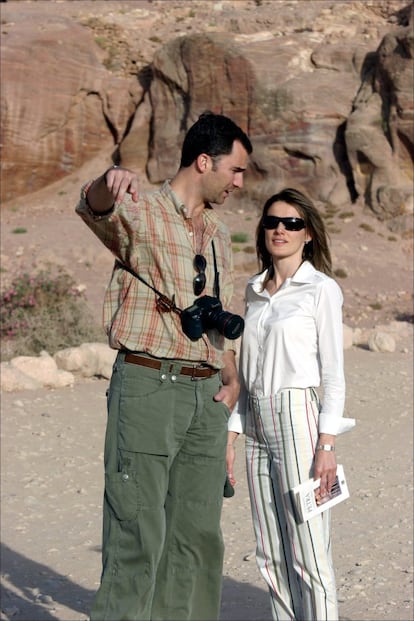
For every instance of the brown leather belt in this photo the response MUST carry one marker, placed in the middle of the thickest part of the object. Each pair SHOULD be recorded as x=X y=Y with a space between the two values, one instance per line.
x=157 y=364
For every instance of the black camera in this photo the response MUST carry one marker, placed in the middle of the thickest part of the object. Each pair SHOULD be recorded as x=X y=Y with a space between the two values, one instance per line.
x=207 y=312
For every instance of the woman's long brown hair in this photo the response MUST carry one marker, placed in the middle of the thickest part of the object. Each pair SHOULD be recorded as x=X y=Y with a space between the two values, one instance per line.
x=315 y=251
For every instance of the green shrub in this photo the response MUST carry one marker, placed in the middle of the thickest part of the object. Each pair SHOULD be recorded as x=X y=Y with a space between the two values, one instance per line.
x=346 y=214
x=331 y=210
x=366 y=227
x=333 y=229
x=375 y=305
x=340 y=273
x=239 y=238
x=19 y=230
x=102 y=42
x=44 y=311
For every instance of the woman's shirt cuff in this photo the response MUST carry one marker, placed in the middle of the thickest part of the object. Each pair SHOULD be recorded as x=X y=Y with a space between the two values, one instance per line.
x=236 y=422
x=335 y=425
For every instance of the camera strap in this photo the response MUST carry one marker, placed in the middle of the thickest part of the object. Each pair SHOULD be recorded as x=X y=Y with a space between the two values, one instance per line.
x=216 y=273
x=165 y=304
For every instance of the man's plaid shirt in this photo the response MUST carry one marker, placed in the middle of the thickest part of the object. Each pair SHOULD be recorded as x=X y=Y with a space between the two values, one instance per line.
x=153 y=237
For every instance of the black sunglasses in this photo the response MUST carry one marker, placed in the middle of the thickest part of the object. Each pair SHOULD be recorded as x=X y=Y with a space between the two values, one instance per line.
x=199 y=281
x=290 y=224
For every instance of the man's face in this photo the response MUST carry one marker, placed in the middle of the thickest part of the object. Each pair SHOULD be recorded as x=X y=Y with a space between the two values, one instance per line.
x=226 y=174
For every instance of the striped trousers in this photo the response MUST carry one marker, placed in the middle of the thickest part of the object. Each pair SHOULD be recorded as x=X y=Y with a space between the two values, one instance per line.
x=294 y=559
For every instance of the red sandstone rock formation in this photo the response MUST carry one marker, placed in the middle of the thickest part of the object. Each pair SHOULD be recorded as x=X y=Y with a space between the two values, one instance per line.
x=325 y=93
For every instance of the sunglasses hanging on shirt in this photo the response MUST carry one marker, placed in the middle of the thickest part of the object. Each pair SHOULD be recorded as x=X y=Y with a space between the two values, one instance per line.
x=165 y=304
x=199 y=281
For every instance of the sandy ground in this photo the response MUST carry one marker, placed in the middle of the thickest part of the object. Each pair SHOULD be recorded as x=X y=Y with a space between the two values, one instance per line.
x=52 y=483
x=52 y=440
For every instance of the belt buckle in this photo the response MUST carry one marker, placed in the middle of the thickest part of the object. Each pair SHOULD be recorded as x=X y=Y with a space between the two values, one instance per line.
x=193 y=374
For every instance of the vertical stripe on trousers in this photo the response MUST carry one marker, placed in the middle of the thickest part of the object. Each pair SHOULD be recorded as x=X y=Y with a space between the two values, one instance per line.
x=294 y=559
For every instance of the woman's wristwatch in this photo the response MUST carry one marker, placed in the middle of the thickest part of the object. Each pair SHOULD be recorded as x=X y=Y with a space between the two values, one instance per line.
x=325 y=447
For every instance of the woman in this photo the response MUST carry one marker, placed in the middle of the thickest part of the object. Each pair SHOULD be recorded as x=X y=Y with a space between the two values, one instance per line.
x=291 y=345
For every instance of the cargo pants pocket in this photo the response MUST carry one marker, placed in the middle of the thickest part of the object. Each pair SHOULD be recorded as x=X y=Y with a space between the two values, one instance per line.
x=121 y=491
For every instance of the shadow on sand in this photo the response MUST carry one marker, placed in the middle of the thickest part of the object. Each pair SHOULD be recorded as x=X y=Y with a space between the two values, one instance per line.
x=31 y=591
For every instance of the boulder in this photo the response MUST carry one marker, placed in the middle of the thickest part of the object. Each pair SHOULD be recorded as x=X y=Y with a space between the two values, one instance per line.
x=348 y=337
x=43 y=369
x=12 y=379
x=381 y=342
x=31 y=372
x=89 y=359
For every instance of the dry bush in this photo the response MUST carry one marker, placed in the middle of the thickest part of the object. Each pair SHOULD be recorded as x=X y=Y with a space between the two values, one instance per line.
x=44 y=310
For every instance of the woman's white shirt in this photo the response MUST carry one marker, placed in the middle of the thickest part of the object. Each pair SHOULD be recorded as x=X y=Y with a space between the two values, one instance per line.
x=294 y=339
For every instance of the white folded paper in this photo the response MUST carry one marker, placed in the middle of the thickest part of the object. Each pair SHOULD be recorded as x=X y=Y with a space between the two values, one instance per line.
x=308 y=502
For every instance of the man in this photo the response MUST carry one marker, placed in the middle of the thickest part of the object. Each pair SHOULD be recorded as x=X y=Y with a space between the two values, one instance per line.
x=174 y=382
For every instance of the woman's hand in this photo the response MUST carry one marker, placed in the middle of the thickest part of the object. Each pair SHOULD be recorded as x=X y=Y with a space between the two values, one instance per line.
x=325 y=465
x=229 y=392
x=231 y=456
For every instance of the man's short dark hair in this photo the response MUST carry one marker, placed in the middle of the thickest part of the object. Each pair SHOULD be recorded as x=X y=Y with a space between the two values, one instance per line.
x=213 y=134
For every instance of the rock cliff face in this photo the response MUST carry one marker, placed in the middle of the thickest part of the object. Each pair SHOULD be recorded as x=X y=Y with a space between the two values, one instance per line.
x=380 y=130
x=292 y=109
x=59 y=104
x=324 y=89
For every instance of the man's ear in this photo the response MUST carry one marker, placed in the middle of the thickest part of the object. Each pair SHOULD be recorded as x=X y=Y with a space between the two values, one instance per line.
x=203 y=162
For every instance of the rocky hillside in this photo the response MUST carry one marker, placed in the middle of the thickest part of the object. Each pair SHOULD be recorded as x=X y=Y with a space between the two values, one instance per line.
x=323 y=88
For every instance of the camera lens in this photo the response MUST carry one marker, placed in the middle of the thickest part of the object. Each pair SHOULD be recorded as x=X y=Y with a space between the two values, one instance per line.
x=231 y=326
x=206 y=313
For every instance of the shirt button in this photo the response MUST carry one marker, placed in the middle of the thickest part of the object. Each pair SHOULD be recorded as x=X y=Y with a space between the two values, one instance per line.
x=173 y=378
x=125 y=477
x=163 y=376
